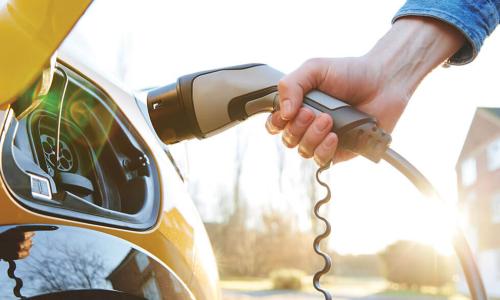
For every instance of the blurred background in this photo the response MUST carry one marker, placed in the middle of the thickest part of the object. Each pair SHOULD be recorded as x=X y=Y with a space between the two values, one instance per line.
x=255 y=196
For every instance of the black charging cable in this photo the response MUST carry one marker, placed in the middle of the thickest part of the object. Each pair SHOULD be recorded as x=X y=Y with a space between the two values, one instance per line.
x=460 y=245
x=462 y=249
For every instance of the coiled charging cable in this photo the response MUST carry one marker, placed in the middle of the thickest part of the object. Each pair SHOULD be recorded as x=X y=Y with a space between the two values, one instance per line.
x=461 y=247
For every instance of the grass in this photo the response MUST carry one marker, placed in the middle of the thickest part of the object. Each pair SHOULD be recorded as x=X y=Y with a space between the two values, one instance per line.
x=246 y=284
x=347 y=284
x=446 y=292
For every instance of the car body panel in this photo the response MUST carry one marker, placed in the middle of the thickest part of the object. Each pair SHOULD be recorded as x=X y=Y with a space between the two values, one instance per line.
x=71 y=259
x=178 y=239
x=30 y=32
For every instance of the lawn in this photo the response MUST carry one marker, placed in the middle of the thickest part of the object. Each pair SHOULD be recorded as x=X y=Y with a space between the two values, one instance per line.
x=352 y=286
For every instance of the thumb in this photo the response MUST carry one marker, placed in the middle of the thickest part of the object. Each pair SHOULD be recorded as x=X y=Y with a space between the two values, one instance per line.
x=295 y=85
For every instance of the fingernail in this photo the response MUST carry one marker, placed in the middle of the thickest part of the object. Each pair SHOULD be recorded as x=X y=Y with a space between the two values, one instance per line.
x=321 y=123
x=304 y=117
x=289 y=137
x=302 y=152
x=269 y=125
x=318 y=162
x=286 y=109
x=285 y=140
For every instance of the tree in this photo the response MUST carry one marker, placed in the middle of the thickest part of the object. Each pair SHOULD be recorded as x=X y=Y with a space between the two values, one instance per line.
x=280 y=161
x=65 y=268
x=280 y=244
x=241 y=148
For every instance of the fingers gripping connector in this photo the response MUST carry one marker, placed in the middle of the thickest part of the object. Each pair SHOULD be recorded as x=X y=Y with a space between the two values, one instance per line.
x=322 y=236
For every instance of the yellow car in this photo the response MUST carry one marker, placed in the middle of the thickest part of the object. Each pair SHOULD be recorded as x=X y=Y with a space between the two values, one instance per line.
x=91 y=206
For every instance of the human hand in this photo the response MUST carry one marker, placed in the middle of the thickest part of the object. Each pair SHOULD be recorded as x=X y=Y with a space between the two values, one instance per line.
x=379 y=83
x=353 y=80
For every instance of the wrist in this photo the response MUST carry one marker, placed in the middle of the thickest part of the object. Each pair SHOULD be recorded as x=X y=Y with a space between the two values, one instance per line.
x=411 y=49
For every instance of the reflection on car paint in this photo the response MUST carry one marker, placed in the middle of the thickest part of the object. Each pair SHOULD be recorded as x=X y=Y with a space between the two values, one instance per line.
x=70 y=259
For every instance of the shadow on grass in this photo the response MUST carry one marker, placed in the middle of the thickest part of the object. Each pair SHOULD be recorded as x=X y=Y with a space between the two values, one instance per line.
x=411 y=293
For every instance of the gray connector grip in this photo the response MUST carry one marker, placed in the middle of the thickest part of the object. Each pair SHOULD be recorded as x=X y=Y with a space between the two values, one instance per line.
x=205 y=103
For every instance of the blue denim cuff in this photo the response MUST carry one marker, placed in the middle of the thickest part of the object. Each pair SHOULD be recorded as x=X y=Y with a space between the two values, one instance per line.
x=476 y=19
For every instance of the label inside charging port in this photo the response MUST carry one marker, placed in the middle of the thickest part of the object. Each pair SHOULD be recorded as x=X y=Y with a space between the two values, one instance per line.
x=40 y=188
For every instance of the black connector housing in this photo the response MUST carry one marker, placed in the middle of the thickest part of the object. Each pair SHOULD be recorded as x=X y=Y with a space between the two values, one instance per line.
x=168 y=114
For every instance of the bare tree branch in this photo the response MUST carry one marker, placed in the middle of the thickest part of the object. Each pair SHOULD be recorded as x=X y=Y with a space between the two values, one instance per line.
x=65 y=267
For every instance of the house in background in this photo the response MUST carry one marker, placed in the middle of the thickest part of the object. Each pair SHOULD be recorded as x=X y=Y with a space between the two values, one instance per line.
x=478 y=178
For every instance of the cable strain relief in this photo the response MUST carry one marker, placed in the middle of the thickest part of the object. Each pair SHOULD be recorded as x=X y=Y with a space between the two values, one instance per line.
x=367 y=140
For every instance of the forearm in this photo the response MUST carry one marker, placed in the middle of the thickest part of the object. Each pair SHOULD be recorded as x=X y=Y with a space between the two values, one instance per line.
x=475 y=19
x=411 y=49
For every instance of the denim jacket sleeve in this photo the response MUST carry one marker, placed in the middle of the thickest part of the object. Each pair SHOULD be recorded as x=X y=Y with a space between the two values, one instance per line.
x=476 y=19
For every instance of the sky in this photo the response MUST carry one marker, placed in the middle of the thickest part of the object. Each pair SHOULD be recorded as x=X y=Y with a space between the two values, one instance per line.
x=149 y=43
